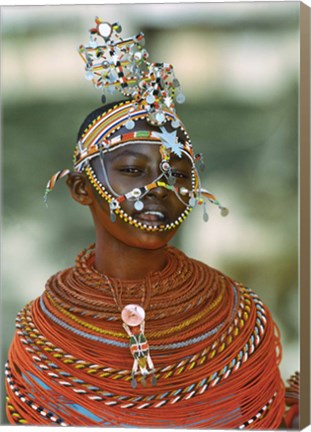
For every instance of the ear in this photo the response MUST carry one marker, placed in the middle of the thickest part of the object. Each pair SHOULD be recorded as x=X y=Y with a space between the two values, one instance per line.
x=80 y=188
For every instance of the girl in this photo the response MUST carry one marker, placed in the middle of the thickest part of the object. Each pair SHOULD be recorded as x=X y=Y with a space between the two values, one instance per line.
x=137 y=333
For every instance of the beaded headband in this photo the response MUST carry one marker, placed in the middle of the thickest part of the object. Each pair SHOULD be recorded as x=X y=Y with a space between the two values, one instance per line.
x=121 y=65
x=98 y=135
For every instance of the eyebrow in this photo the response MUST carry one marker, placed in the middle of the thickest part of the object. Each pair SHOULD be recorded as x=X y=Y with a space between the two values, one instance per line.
x=128 y=152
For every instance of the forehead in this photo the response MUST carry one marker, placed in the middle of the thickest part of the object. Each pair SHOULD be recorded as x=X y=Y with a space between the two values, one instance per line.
x=147 y=149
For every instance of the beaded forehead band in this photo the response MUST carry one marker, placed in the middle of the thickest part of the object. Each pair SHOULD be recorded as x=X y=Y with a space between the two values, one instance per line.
x=116 y=64
x=101 y=134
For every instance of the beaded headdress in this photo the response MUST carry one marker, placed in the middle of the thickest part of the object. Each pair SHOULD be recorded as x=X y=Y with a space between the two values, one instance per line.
x=114 y=64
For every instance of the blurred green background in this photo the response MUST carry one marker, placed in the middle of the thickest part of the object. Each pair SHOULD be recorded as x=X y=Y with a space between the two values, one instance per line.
x=239 y=67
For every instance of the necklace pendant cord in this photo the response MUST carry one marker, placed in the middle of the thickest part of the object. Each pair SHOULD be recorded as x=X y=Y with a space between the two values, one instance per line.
x=133 y=317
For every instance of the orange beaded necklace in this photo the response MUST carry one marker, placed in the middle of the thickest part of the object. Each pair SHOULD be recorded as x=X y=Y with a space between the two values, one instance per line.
x=214 y=346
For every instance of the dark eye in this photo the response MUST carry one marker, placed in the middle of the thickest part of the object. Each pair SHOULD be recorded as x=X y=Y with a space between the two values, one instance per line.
x=179 y=174
x=132 y=170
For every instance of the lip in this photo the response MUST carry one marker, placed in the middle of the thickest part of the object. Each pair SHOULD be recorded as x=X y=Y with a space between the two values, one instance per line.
x=154 y=216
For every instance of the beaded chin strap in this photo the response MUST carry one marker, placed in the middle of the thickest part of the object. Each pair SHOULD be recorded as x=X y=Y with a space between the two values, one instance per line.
x=116 y=64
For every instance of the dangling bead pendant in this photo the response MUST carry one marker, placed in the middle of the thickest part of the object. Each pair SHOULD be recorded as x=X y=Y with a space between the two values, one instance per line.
x=171 y=180
x=133 y=317
x=138 y=205
x=175 y=123
x=130 y=124
x=113 y=206
x=224 y=211
x=192 y=202
x=205 y=214
x=113 y=217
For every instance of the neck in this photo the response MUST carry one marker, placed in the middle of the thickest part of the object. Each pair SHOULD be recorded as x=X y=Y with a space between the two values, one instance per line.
x=118 y=260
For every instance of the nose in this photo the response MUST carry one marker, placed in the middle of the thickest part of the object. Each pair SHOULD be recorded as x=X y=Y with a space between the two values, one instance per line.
x=158 y=192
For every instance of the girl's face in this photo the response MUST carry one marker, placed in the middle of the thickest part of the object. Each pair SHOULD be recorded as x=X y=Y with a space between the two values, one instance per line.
x=134 y=166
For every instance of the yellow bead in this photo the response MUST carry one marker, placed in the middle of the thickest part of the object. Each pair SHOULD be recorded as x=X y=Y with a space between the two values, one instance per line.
x=222 y=347
x=212 y=354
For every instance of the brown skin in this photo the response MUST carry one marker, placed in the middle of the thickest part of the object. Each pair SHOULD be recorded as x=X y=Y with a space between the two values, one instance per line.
x=123 y=251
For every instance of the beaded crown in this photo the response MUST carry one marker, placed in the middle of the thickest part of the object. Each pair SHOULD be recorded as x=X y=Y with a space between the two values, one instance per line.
x=116 y=64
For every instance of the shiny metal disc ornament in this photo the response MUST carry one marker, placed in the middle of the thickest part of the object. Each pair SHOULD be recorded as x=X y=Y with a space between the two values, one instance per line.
x=224 y=211
x=138 y=205
x=180 y=98
x=205 y=214
x=133 y=315
x=130 y=124
x=150 y=99
x=192 y=202
x=160 y=117
x=113 y=206
x=175 y=124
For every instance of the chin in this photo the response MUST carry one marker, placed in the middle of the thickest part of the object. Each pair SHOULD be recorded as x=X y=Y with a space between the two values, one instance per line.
x=148 y=240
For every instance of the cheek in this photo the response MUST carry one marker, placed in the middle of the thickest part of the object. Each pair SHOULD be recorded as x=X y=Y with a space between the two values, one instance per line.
x=120 y=183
